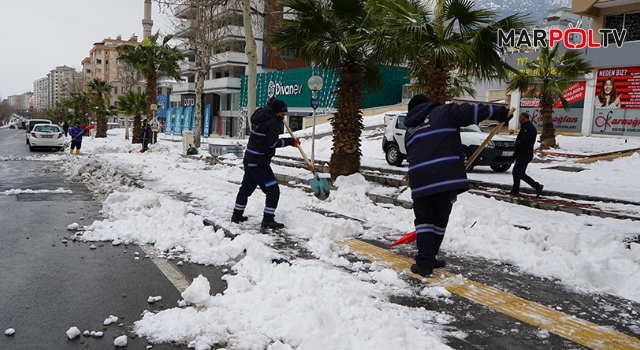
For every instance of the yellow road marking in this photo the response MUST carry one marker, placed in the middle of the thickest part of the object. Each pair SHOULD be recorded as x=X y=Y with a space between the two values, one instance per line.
x=172 y=274
x=567 y=326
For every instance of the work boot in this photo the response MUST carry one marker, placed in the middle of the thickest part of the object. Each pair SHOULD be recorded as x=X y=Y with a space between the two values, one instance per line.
x=539 y=190
x=237 y=217
x=420 y=271
x=70 y=150
x=274 y=225
x=440 y=263
x=77 y=151
x=268 y=221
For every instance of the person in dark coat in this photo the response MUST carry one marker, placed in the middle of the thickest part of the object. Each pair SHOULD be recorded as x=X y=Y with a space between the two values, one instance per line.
x=145 y=135
x=436 y=168
x=65 y=128
x=76 y=138
x=523 y=155
x=263 y=141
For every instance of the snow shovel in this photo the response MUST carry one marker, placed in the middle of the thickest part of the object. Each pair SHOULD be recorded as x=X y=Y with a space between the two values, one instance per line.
x=411 y=236
x=319 y=186
x=486 y=141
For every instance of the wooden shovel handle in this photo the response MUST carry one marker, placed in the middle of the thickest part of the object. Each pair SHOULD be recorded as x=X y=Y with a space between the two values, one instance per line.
x=486 y=141
x=313 y=170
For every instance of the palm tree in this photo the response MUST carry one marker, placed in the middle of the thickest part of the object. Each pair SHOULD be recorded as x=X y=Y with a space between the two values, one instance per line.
x=445 y=48
x=133 y=103
x=100 y=93
x=549 y=75
x=335 y=34
x=152 y=60
x=77 y=107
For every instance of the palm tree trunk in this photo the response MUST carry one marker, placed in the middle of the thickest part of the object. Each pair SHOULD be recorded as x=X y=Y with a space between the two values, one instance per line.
x=101 y=126
x=347 y=122
x=136 y=129
x=437 y=77
x=548 y=135
x=151 y=97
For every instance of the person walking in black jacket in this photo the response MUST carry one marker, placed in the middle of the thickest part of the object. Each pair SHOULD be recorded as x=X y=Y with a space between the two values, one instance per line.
x=523 y=154
x=145 y=135
x=262 y=145
x=436 y=168
x=65 y=128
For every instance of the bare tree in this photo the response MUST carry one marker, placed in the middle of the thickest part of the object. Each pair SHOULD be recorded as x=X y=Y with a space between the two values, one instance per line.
x=252 y=57
x=203 y=27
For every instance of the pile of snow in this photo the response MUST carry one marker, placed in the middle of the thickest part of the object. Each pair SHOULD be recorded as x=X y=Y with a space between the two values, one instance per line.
x=160 y=198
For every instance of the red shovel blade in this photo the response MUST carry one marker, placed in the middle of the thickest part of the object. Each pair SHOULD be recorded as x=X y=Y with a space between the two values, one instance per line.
x=406 y=238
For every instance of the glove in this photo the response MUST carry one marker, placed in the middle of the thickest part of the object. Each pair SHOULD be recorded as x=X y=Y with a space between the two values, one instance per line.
x=296 y=142
x=507 y=118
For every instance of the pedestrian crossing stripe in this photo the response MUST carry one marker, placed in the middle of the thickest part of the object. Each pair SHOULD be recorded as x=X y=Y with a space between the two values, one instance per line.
x=570 y=327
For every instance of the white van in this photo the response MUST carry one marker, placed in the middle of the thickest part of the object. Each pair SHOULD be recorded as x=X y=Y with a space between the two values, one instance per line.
x=31 y=123
x=498 y=154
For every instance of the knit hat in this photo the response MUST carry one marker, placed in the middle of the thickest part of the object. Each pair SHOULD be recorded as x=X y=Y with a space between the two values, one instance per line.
x=279 y=106
x=417 y=100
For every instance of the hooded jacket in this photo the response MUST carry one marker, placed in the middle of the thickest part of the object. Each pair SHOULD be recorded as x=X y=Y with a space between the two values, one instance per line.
x=76 y=133
x=264 y=140
x=434 y=147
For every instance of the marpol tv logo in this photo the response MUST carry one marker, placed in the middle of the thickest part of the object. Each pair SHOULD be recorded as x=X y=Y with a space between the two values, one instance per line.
x=572 y=37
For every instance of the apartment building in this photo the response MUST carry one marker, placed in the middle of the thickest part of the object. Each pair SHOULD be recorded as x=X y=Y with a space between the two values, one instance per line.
x=102 y=63
x=562 y=18
x=222 y=86
x=61 y=81
x=40 y=94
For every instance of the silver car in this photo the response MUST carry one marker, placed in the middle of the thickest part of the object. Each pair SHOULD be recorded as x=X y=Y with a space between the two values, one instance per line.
x=46 y=135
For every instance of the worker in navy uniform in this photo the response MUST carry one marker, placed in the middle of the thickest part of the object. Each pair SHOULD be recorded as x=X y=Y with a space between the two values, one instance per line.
x=436 y=168
x=263 y=141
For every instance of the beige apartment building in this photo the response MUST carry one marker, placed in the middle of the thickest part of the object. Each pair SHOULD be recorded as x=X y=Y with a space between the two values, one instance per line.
x=102 y=63
x=61 y=81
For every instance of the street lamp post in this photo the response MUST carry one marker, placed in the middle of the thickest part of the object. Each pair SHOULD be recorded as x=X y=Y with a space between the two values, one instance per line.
x=315 y=84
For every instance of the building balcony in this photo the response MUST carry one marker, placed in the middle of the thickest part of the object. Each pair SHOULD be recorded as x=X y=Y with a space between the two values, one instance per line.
x=221 y=85
x=184 y=88
x=224 y=58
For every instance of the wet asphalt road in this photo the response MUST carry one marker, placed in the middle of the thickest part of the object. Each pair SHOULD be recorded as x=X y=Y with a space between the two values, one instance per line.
x=49 y=285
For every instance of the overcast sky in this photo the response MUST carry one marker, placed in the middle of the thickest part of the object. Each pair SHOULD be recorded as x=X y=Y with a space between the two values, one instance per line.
x=38 y=35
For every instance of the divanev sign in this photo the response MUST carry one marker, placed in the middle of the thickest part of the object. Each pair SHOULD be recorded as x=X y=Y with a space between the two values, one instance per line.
x=277 y=89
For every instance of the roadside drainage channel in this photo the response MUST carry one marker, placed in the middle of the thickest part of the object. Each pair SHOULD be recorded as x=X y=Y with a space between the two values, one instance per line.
x=385 y=177
x=291 y=181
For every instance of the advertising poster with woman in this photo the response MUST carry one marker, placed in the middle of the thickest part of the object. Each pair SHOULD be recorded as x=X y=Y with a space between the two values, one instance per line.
x=617 y=102
x=564 y=121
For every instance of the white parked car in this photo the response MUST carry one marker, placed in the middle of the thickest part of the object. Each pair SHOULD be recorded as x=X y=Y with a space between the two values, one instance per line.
x=46 y=135
x=498 y=154
x=30 y=124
